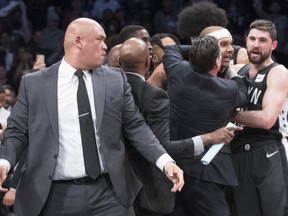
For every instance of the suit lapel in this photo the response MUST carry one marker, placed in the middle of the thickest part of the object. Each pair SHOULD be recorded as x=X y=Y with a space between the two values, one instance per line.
x=50 y=94
x=98 y=81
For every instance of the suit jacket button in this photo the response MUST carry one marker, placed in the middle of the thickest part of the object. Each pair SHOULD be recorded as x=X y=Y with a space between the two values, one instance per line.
x=55 y=156
x=247 y=147
x=50 y=177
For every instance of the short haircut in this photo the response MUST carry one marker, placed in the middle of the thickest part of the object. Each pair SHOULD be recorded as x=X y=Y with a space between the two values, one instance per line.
x=264 y=25
x=193 y=19
x=156 y=39
x=128 y=32
x=203 y=54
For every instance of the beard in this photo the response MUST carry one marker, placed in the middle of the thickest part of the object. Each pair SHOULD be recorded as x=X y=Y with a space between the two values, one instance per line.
x=258 y=59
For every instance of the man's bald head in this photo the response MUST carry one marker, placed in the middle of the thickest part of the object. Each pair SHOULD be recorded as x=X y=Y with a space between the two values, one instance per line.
x=113 y=56
x=81 y=26
x=134 y=56
x=84 y=45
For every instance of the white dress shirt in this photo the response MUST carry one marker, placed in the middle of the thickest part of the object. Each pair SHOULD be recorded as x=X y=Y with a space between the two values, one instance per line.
x=70 y=161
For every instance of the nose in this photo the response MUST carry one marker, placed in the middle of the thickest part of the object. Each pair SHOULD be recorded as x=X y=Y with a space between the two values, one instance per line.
x=104 y=46
x=149 y=45
x=150 y=48
x=230 y=48
x=256 y=43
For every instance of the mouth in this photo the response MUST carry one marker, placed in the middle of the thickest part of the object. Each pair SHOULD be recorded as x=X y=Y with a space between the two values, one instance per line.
x=255 y=53
x=226 y=59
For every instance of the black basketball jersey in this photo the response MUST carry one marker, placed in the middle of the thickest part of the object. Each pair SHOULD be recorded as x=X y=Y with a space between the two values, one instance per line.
x=256 y=90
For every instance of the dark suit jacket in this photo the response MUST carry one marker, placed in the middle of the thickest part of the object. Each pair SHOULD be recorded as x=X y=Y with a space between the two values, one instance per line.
x=201 y=103
x=35 y=115
x=153 y=103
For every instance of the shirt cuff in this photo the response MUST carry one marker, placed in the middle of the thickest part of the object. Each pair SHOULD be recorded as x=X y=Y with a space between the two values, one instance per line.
x=5 y=163
x=162 y=160
x=198 y=145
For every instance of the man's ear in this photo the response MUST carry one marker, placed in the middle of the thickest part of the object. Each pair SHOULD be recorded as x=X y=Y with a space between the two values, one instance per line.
x=274 y=45
x=218 y=62
x=78 y=42
x=155 y=59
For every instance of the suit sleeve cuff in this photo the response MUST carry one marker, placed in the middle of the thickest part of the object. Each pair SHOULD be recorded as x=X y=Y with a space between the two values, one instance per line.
x=162 y=160
x=198 y=145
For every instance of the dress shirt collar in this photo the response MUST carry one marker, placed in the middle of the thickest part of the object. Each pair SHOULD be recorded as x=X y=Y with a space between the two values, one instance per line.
x=67 y=70
x=135 y=74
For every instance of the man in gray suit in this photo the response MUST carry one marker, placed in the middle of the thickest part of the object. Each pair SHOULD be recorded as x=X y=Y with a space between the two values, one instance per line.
x=45 y=120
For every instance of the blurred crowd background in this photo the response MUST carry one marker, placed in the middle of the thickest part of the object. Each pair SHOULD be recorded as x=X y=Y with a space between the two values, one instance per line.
x=31 y=27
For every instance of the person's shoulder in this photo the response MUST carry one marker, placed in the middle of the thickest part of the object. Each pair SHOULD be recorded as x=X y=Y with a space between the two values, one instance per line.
x=242 y=56
x=109 y=71
x=33 y=73
x=279 y=67
x=279 y=70
x=112 y=75
x=105 y=68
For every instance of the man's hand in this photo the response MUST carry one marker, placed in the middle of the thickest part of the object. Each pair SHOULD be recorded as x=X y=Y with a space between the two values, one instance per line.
x=174 y=174
x=3 y=176
x=9 y=197
x=222 y=135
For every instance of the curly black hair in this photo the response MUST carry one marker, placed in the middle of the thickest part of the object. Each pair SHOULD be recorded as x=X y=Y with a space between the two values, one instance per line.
x=193 y=19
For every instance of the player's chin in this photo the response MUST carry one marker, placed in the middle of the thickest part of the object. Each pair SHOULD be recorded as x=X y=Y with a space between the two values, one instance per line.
x=225 y=64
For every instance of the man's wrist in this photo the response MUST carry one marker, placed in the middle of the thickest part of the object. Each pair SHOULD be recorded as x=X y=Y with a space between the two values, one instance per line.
x=198 y=144
x=162 y=160
x=5 y=163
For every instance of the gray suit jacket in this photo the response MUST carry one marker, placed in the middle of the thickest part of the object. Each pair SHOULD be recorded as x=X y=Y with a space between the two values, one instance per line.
x=33 y=123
